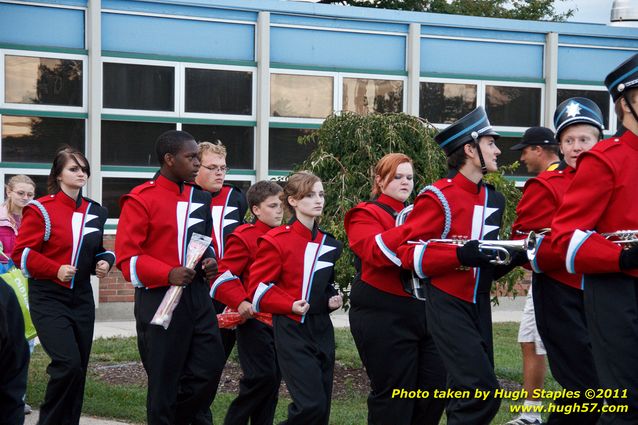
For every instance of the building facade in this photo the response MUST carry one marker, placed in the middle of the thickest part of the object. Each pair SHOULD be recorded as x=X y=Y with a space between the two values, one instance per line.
x=109 y=76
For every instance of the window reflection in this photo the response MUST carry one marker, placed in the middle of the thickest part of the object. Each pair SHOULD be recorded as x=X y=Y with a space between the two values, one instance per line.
x=365 y=96
x=218 y=91
x=131 y=143
x=43 y=81
x=36 y=139
x=444 y=103
x=300 y=96
x=513 y=106
x=284 y=151
x=144 y=87
x=239 y=142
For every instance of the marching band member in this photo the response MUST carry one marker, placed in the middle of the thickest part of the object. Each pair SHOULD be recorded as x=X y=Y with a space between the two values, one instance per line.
x=385 y=321
x=228 y=208
x=557 y=294
x=603 y=198
x=539 y=152
x=460 y=277
x=183 y=362
x=58 y=247
x=293 y=278
x=259 y=385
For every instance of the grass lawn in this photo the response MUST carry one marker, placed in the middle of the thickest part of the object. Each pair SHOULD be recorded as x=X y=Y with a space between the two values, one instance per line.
x=127 y=402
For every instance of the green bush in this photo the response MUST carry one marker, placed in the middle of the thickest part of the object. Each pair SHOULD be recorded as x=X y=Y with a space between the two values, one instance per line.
x=347 y=148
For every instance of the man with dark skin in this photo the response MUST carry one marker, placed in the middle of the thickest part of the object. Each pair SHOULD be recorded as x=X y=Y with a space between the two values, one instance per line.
x=183 y=362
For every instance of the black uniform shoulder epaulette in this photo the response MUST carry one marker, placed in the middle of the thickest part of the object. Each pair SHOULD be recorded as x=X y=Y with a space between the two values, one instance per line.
x=91 y=201
x=232 y=186
x=327 y=233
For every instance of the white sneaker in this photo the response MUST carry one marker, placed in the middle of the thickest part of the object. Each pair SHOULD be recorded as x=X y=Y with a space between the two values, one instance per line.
x=27 y=409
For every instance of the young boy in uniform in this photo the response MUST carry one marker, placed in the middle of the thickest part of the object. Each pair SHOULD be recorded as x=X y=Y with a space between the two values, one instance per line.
x=259 y=387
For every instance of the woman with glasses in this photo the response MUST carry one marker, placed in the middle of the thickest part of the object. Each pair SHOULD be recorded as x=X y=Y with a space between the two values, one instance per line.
x=20 y=190
x=58 y=248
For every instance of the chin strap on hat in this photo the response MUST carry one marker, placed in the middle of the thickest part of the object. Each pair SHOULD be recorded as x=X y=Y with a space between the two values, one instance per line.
x=475 y=137
x=625 y=95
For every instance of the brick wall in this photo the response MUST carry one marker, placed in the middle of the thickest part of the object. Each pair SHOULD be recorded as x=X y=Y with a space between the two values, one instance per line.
x=114 y=288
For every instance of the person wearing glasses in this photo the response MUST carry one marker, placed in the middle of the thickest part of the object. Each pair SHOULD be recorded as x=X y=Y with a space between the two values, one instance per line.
x=228 y=209
x=20 y=191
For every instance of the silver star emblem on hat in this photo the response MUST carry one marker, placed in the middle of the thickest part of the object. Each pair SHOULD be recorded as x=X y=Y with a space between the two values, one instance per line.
x=573 y=109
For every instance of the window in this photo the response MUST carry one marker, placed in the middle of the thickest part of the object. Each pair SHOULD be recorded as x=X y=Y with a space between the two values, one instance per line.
x=513 y=106
x=365 y=96
x=239 y=142
x=141 y=87
x=301 y=96
x=36 y=139
x=131 y=143
x=42 y=81
x=284 y=152
x=600 y=98
x=444 y=103
x=218 y=91
x=113 y=189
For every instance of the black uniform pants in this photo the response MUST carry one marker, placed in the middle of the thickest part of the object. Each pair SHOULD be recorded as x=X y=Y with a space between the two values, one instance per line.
x=64 y=319
x=184 y=362
x=611 y=306
x=398 y=352
x=14 y=358
x=561 y=322
x=259 y=385
x=306 y=356
x=462 y=332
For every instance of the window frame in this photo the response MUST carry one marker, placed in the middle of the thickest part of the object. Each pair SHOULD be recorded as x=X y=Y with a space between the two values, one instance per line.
x=611 y=115
x=39 y=107
x=361 y=76
x=481 y=96
x=296 y=120
x=212 y=116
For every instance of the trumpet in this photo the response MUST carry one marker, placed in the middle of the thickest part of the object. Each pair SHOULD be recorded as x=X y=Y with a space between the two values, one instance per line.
x=625 y=238
x=501 y=249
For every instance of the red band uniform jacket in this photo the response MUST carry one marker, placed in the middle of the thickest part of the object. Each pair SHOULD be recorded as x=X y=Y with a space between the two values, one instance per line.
x=602 y=198
x=231 y=285
x=542 y=196
x=57 y=230
x=294 y=263
x=366 y=224
x=476 y=213
x=228 y=208
x=154 y=238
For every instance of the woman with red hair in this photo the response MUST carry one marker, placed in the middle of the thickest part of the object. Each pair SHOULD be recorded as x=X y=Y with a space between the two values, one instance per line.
x=388 y=324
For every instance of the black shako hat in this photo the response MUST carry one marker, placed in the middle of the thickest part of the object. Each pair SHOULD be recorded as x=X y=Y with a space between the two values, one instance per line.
x=577 y=110
x=536 y=136
x=624 y=77
x=465 y=130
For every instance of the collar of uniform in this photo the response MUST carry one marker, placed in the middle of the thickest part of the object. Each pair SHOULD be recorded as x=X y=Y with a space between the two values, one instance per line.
x=263 y=227
x=170 y=185
x=67 y=200
x=299 y=228
x=567 y=169
x=467 y=184
x=631 y=139
x=391 y=202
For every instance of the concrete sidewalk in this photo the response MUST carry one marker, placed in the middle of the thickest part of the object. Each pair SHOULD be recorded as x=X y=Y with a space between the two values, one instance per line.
x=508 y=310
